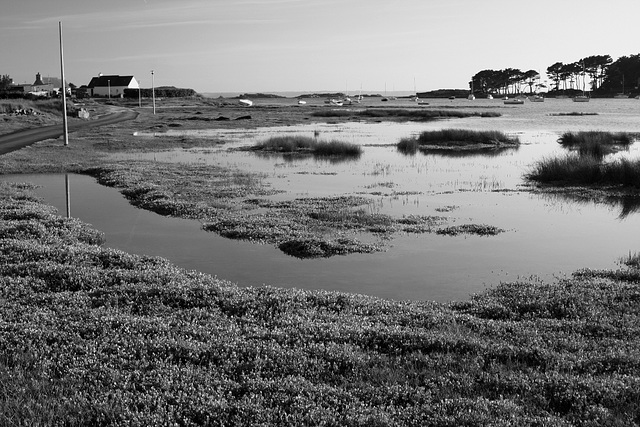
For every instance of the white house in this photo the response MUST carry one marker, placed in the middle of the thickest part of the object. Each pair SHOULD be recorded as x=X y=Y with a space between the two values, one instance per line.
x=111 y=85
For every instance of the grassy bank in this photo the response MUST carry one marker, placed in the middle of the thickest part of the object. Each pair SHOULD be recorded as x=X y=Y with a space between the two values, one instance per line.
x=94 y=336
x=457 y=139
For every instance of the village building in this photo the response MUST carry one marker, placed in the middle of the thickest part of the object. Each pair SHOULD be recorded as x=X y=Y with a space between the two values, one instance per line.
x=111 y=85
x=39 y=86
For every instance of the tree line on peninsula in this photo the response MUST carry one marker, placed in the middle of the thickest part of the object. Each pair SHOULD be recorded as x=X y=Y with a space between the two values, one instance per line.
x=598 y=74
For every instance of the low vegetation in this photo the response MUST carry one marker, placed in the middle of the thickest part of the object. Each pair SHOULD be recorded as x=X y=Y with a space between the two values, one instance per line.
x=298 y=144
x=573 y=169
x=416 y=114
x=457 y=139
x=596 y=143
x=574 y=113
x=96 y=336
x=587 y=164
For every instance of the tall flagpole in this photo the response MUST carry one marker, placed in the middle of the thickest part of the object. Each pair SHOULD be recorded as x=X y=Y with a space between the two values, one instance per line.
x=64 y=91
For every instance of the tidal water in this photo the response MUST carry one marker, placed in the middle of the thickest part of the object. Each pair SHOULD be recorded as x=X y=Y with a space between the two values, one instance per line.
x=545 y=236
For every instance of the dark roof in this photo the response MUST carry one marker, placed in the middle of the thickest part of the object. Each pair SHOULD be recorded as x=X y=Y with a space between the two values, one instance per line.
x=112 y=80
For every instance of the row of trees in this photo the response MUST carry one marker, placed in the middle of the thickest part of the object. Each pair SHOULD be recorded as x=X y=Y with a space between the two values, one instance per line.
x=597 y=73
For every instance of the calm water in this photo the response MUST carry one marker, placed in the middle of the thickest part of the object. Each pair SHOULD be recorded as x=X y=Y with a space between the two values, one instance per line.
x=545 y=236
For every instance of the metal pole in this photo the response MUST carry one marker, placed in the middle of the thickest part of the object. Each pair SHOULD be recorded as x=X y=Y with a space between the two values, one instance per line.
x=153 y=93
x=66 y=186
x=139 y=96
x=65 y=128
x=109 y=85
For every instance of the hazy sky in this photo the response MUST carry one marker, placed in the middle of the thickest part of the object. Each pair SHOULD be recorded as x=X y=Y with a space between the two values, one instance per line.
x=308 y=45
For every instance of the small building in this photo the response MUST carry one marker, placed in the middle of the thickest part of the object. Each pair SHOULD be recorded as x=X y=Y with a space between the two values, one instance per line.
x=39 y=88
x=111 y=85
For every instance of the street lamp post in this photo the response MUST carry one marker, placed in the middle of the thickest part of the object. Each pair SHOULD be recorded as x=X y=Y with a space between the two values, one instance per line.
x=153 y=93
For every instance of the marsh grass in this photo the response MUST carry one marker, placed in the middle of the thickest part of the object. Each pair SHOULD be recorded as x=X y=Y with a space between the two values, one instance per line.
x=95 y=336
x=596 y=143
x=631 y=260
x=573 y=168
x=574 y=113
x=303 y=144
x=403 y=114
x=457 y=139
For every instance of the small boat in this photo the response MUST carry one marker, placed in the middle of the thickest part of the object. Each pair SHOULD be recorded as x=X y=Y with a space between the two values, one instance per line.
x=581 y=98
x=452 y=98
x=537 y=98
x=336 y=102
x=489 y=96
x=471 y=97
x=514 y=101
x=621 y=96
x=301 y=102
x=246 y=102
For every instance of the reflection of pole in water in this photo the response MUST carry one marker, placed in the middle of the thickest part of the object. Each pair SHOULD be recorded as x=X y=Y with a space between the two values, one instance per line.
x=66 y=186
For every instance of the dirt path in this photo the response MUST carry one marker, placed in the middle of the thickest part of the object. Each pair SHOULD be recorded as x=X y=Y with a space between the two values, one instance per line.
x=16 y=140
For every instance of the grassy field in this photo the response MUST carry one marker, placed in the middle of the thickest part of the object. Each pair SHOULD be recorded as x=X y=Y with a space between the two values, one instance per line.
x=95 y=336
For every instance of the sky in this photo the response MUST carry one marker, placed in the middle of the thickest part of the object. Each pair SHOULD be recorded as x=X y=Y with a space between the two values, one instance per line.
x=272 y=46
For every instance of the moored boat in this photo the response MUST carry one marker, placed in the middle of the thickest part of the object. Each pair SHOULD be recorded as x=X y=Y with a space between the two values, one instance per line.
x=514 y=101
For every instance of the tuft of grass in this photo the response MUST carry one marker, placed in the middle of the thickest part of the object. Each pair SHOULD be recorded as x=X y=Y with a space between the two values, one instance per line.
x=631 y=260
x=595 y=143
x=587 y=170
x=306 y=144
x=456 y=139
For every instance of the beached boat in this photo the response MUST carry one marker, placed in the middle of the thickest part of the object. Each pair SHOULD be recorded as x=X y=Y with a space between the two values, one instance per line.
x=536 y=98
x=489 y=96
x=301 y=102
x=246 y=102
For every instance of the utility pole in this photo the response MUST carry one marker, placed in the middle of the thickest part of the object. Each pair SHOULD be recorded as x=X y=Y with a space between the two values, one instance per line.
x=153 y=93
x=65 y=128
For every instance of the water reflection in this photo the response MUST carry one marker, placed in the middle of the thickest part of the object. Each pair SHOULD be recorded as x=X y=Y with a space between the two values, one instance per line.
x=627 y=205
x=466 y=153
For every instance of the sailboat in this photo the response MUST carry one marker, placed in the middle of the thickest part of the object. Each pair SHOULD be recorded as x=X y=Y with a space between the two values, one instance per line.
x=583 y=97
x=621 y=95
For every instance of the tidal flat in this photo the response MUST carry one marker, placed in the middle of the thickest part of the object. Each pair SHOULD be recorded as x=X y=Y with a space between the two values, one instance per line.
x=92 y=335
